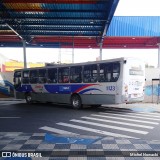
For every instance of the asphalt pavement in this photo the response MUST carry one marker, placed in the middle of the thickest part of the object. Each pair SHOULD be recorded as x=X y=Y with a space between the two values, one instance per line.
x=59 y=132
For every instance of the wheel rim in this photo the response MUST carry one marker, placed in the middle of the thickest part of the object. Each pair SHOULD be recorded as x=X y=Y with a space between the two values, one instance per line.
x=29 y=98
x=76 y=103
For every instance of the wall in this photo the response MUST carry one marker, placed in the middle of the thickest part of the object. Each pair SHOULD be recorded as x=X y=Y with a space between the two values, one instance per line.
x=3 y=59
x=152 y=91
x=6 y=84
x=12 y=65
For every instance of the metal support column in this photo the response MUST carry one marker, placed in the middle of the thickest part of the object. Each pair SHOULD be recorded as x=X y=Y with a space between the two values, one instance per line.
x=73 y=51
x=24 y=53
x=158 y=55
x=59 y=56
x=100 y=54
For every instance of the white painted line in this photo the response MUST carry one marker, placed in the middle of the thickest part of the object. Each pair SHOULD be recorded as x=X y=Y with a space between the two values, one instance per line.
x=58 y=131
x=109 y=126
x=139 y=114
x=158 y=114
x=117 y=122
x=8 y=117
x=125 y=115
x=127 y=119
x=94 y=130
x=148 y=113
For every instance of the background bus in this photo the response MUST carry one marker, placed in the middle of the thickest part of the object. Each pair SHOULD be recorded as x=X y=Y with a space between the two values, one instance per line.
x=112 y=81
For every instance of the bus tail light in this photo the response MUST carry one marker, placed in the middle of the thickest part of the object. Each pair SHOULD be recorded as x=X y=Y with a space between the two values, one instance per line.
x=126 y=88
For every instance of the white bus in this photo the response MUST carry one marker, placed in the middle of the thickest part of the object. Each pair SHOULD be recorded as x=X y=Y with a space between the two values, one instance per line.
x=112 y=81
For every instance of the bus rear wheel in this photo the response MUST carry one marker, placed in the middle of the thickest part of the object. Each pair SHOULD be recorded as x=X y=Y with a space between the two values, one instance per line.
x=28 y=98
x=76 y=102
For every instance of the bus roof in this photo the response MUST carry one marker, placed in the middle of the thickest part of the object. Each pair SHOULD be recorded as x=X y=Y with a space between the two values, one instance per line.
x=78 y=64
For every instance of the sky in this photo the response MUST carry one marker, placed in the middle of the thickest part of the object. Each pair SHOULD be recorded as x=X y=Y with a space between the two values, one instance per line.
x=138 y=8
x=124 y=8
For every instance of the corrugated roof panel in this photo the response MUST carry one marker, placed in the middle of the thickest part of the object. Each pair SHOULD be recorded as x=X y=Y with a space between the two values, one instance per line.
x=72 y=33
x=58 y=22
x=134 y=26
x=56 y=1
x=26 y=6
x=4 y=27
x=49 y=18
x=59 y=27
x=76 y=7
x=57 y=15
x=9 y=38
x=21 y=6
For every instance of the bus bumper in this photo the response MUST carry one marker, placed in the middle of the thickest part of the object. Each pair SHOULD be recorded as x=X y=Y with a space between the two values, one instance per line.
x=132 y=99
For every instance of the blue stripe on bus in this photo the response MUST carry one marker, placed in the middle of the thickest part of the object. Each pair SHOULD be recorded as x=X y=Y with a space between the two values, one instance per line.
x=60 y=88
x=66 y=88
x=25 y=88
x=83 y=87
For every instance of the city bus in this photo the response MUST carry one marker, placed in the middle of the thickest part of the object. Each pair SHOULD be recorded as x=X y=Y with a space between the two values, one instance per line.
x=113 y=81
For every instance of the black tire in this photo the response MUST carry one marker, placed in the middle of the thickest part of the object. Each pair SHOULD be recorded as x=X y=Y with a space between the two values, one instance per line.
x=76 y=102
x=28 y=99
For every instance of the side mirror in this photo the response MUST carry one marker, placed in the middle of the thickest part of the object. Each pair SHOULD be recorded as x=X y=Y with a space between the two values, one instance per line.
x=14 y=79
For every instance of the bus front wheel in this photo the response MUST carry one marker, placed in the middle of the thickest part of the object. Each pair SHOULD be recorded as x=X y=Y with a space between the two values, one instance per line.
x=28 y=98
x=76 y=102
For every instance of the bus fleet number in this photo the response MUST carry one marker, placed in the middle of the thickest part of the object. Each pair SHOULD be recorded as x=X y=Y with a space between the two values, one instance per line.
x=110 y=88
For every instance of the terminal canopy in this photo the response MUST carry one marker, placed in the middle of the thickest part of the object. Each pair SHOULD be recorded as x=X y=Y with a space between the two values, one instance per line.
x=55 y=23
x=74 y=23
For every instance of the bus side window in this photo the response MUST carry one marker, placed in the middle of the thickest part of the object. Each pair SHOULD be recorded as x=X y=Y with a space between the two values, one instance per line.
x=105 y=73
x=25 y=79
x=33 y=76
x=42 y=76
x=101 y=73
x=109 y=68
x=75 y=74
x=90 y=73
x=17 y=79
x=109 y=72
x=65 y=79
x=63 y=75
x=116 y=71
x=52 y=75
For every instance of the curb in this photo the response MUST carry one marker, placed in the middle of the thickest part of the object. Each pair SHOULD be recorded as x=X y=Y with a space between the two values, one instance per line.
x=10 y=99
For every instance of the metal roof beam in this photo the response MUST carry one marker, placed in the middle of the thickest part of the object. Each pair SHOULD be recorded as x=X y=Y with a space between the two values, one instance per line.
x=5 y=14
x=14 y=31
x=53 y=36
x=55 y=23
x=65 y=34
x=59 y=25
x=57 y=1
x=60 y=29
x=90 y=19
x=57 y=10
x=109 y=17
